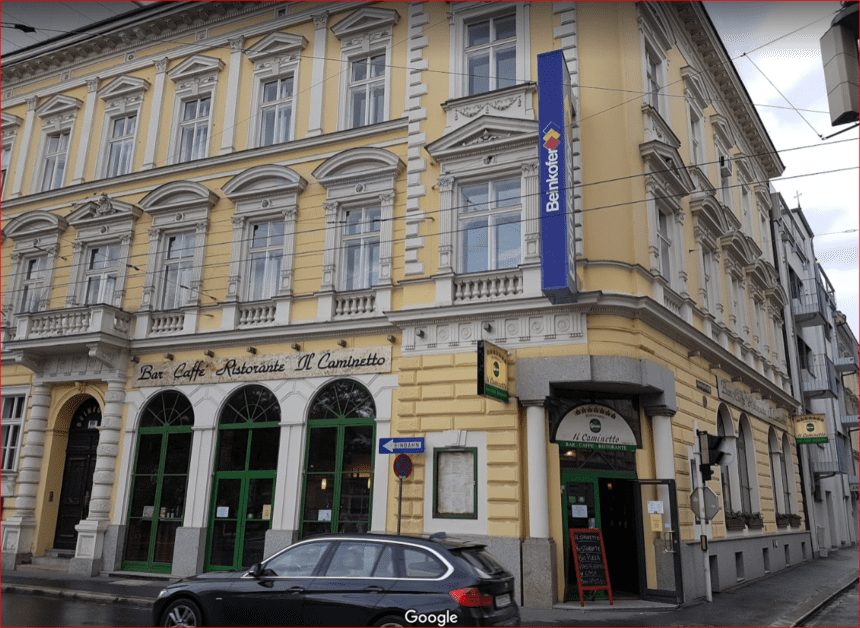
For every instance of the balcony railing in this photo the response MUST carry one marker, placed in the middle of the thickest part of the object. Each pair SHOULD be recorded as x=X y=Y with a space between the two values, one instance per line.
x=103 y=319
x=254 y=315
x=819 y=378
x=166 y=322
x=846 y=364
x=488 y=286
x=352 y=304
x=810 y=306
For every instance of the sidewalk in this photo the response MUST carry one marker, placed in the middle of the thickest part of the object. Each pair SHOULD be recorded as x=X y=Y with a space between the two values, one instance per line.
x=783 y=599
x=786 y=598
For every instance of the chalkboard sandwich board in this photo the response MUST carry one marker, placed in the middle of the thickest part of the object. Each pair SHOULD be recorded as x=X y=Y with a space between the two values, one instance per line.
x=589 y=560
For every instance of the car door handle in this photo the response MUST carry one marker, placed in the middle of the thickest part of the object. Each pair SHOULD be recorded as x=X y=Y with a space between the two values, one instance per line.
x=296 y=590
x=374 y=589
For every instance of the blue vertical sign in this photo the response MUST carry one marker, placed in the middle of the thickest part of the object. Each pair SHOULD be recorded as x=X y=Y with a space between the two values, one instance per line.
x=558 y=270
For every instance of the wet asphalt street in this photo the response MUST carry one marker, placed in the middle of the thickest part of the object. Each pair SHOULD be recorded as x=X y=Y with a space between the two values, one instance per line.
x=37 y=610
x=843 y=611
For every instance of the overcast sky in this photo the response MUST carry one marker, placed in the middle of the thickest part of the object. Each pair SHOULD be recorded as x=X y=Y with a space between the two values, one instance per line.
x=788 y=76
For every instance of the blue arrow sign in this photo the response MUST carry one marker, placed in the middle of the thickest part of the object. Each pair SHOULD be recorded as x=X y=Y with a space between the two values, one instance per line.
x=414 y=445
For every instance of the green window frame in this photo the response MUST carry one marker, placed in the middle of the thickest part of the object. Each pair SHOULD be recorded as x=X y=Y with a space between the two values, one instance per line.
x=441 y=511
x=246 y=463
x=339 y=453
x=165 y=431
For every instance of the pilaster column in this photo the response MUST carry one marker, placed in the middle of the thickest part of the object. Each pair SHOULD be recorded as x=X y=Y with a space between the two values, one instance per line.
x=86 y=131
x=386 y=202
x=531 y=212
x=91 y=531
x=229 y=132
x=18 y=529
x=23 y=157
x=538 y=506
x=664 y=453
x=331 y=216
x=318 y=74
x=155 y=114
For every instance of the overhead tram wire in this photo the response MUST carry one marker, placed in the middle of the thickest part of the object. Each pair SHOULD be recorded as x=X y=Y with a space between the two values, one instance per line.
x=316 y=252
x=521 y=197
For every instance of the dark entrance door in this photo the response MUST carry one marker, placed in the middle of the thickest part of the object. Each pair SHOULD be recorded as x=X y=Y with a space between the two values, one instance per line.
x=81 y=453
x=618 y=523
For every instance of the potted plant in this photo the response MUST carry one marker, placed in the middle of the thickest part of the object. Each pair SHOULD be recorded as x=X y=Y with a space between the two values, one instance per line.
x=735 y=520
x=782 y=520
x=754 y=520
x=794 y=519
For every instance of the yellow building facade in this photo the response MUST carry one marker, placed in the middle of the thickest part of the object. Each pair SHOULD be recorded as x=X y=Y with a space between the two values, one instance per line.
x=245 y=244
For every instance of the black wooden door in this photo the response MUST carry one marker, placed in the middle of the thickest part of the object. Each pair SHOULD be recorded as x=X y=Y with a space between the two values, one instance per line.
x=76 y=491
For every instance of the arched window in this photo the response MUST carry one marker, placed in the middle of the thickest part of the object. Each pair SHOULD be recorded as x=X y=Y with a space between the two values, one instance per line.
x=788 y=476
x=745 y=455
x=723 y=420
x=159 y=483
x=243 y=490
x=339 y=460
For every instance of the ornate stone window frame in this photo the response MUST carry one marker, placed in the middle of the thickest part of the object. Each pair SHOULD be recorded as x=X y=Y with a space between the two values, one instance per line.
x=58 y=115
x=122 y=97
x=177 y=207
x=10 y=126
x=365 y=32
x=276 y=56
x=101 y=222
x=355 y=178
x=262 y=193
x=463 y=13
x=36 y=234
x=195 y=77
x=655 y=41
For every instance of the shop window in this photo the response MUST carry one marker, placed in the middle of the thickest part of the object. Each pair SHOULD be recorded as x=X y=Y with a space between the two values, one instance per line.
x=455 y=494
x=159 y=483
x=339 y=459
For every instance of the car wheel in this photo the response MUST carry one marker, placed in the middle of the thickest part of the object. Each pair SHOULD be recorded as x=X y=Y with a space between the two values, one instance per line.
x=390 y=620
x=182 y=613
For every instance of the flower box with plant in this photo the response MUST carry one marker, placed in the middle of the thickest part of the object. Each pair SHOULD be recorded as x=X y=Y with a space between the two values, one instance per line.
x=782 y=520
x=735 y=520
x=754 y=520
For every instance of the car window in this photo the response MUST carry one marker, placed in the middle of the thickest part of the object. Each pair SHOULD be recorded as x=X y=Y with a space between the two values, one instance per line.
x=353 y=559
x=298 y=561
x=385 y=565
x=481 y=560
x=421 y=564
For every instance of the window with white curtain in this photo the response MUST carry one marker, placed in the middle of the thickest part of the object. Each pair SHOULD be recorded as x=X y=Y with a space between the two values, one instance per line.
x=367 y=90
x=121 y=145
x=194 y=129
x=360 y=246
x=490 y=214
x=14 y=407
x=101 y=273
x=276 y=111
x=744 y=454
x=32 y=285
x=54 y=161
x=178 y=269
x=265 y=259
x=491 y=54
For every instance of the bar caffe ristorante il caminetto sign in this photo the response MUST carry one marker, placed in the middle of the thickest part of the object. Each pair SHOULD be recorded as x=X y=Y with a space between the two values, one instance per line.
x=256 y=368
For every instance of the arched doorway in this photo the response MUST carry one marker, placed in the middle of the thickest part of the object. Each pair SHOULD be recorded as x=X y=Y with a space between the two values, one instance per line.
x=77 y=487
x=160 y=479
x=244 y=485
x=336 y=495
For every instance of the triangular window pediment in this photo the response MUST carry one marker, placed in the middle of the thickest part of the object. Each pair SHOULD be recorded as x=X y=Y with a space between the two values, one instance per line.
x=484 y=134
x=364 y=20
x=721 y=127
x=123 y=86
x=667 y=166
x=9 y=121
x=276 y=44
x=695 y=86
x=57 y=105
x=195 y=66
x=103 y=209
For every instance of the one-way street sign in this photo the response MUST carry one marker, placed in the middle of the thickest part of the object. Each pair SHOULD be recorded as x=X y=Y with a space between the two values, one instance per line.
x=414 y=445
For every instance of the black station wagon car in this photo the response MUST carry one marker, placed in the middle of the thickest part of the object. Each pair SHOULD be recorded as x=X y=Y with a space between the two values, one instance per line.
x=351 y=580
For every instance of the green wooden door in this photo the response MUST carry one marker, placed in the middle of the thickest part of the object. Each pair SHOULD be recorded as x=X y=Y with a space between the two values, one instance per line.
x=157 y=504
x=243 y=487
x=339 y=458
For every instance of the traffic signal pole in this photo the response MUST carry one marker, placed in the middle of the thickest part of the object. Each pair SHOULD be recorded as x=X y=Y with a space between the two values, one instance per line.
x=706 y=568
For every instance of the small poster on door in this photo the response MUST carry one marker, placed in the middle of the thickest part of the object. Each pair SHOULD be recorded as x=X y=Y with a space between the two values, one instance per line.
x=222 y=512
x=148 y=511
x=267 y=511
x=579 y=511
x=324 y=515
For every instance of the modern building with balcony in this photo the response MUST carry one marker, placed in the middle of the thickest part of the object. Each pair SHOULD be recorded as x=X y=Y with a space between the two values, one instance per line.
x=245 y=242
x=823 y=362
